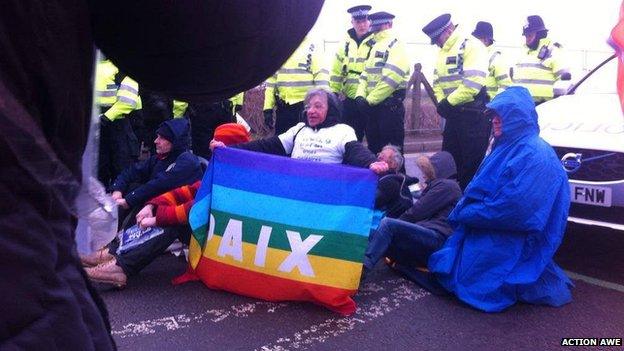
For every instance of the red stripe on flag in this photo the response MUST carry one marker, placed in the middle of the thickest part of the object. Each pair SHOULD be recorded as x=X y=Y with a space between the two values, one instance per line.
x=217 y=275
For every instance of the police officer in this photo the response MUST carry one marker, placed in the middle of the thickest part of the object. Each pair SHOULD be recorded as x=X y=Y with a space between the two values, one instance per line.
x=349 y=64
x=286 y=89
x=118 y=97
x=498 y=78
x=459 y=86
x=381 y=89
x=542 y=64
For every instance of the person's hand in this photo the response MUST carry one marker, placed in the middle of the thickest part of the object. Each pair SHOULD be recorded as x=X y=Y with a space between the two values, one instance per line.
x=379 y=167
x=147 y=222
x=269 y=122
x=362 y=104
x=122 y=203
x=445 y=109
x=215 y=143
x=116 y=195
x=147 y=211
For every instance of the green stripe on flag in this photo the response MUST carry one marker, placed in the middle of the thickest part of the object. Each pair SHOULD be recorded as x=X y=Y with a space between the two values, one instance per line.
x=343 y=246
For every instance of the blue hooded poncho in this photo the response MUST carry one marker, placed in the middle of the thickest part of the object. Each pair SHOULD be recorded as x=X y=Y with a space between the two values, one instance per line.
x=510 y=220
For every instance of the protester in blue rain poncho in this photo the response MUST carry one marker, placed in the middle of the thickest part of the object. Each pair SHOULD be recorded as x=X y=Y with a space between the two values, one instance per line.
x=511 y=219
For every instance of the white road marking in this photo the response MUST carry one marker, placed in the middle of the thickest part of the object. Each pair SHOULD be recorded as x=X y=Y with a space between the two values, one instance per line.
x=402 y=291
x=171 y=323
x=595 y=281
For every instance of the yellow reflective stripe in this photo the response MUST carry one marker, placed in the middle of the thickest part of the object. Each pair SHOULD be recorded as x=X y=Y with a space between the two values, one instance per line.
x=452 y=78
x=448 y=91
x=471 y=84
x=128 y=88
x=127 y=100
x=107 y=93
x=533 y=65
x=293 y=71
x=473 y=73
x=535 y=81
x=303 y=83
x=373 y=70
x=395 y=69
x=390 y=82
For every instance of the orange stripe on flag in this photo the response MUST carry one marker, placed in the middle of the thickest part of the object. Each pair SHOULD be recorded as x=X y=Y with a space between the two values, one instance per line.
x=219 y=276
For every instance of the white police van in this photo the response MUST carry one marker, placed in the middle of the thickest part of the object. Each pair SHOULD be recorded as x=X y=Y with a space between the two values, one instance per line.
x=586 y=129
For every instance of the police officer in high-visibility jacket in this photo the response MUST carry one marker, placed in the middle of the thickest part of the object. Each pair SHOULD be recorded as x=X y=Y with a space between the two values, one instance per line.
x=382 y=86
x=498 y=78
x=459 y=86
x=286 y=89
x=118 y=97
x=542 y=64
x=349 y=64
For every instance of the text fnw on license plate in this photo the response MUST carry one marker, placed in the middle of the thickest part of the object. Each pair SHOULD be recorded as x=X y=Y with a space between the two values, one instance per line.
x=590 y=195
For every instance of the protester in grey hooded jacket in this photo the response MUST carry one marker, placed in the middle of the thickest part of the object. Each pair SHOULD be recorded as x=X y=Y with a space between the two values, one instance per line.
x=423 y=228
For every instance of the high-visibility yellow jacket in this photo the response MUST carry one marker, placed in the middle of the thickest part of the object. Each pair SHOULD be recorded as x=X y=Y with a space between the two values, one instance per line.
x=237 y=100
x=539 y=69
x=461 y=68
x=498 y=78
x=127 y=100
x=349 y=63
x=301 y=72
x=105 y=86
x=386 y=70
x=179 y=107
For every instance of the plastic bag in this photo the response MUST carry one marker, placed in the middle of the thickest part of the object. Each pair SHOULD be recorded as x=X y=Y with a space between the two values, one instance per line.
x=135 y=236
x=97 y=217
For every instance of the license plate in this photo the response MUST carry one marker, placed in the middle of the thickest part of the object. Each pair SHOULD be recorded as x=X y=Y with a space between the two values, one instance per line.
x=590 y=195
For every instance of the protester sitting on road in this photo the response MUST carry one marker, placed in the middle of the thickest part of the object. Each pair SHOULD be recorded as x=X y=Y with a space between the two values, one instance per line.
x=320 y=139
x=423 y=228
x=393 y=194
x=511 y=218
x=168 y=211
x=172 y=166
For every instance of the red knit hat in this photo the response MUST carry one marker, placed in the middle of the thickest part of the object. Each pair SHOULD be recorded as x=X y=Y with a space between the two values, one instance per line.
x=231 y=134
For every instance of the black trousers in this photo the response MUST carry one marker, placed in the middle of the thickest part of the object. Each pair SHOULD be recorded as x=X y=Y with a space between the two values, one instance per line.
x=205 y=118
x=385 y=124
x=466 y=136
x=119 y=148
x=287 y=116
x=352 y=116
x=132 y=262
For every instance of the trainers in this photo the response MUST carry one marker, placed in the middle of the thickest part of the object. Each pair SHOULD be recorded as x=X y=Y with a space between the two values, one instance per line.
x=108 y=273
x=98 y=257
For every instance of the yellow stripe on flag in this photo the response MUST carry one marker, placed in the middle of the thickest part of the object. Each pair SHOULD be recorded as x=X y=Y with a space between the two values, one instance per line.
x=327 y=271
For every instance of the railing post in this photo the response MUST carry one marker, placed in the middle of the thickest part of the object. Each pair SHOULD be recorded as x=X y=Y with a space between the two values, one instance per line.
x=416 y=96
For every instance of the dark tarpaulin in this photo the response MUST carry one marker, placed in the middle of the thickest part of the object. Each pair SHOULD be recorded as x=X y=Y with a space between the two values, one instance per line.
x=46 y=67
x=199 y=49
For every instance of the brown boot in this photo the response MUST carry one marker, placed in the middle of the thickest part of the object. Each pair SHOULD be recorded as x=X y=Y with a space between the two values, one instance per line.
x=98 y=257
x=108 y=273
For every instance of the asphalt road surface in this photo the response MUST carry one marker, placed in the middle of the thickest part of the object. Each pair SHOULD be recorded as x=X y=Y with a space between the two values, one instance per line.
x=393 y=313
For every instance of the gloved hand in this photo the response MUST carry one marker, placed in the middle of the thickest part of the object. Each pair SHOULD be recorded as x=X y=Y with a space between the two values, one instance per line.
x=268 y=119
x=104 y=121
x=362 y=104
x=445 y=109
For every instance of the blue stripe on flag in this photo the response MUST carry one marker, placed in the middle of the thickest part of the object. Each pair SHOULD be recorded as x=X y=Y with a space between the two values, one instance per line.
x=349 y=219
x=299 y=168
x=296 y=187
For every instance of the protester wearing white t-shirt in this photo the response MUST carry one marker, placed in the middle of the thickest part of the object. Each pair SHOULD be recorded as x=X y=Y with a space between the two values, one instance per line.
x=322 y=138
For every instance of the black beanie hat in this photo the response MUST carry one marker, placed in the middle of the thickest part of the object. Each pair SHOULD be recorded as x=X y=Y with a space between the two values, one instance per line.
x=165 y=132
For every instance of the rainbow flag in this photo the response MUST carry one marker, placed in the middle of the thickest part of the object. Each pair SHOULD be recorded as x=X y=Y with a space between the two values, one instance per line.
x=280 y=229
